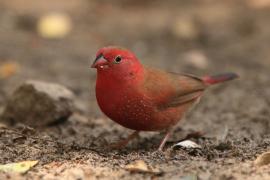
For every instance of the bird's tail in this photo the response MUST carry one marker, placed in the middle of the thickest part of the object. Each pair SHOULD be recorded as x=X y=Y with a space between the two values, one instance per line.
x=219 y=78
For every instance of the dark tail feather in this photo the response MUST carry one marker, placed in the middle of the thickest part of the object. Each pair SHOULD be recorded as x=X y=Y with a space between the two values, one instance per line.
x=219 y=78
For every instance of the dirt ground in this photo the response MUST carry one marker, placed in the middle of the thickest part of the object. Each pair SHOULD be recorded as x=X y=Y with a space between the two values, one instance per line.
x=225 y=35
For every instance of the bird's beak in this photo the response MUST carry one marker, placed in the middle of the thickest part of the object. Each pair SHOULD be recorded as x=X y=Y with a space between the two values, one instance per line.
x=100 y=61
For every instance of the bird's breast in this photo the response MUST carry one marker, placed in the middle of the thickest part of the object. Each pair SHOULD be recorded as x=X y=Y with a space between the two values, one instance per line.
x=135 y=110
x=125 y=106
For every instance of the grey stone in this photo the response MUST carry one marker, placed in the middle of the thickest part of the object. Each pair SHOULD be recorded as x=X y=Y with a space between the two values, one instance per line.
x=37 y=104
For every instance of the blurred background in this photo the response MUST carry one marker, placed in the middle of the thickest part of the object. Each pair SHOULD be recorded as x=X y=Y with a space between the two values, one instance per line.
x=56 y=41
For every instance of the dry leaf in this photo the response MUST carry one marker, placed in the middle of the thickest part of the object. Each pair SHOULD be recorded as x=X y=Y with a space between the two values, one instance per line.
x=187 y=144
x=185 y=28
x=3 y=125
x=8 y=69
x=197 y=59
x=140 y=166
x=263 y=159
x=20 y=167
x=54 y=26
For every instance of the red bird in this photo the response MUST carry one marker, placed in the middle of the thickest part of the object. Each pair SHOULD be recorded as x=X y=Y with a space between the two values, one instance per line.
x=143 y=98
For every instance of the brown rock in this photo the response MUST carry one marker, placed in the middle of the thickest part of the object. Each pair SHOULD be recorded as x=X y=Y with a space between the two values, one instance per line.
x=37 y=103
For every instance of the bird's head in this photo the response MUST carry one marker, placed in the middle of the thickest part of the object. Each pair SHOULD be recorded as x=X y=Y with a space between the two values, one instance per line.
x=116 y=60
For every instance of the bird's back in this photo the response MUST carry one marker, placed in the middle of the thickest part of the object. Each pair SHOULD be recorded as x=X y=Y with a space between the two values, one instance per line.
x=166 y=88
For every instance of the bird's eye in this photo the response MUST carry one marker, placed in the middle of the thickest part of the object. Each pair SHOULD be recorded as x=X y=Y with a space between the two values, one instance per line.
x=117 y=59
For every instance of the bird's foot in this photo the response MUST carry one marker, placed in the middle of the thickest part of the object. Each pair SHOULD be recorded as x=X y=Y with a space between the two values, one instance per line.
x=164 y=140
x=195 y=135
x=123 y=143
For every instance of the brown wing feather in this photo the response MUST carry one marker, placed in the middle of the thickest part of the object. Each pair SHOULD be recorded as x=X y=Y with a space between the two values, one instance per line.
x=182 y=99
x=172 y=89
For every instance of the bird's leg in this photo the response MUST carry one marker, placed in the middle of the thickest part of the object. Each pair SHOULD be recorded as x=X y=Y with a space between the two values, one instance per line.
x=164 y=140
x=124 y=142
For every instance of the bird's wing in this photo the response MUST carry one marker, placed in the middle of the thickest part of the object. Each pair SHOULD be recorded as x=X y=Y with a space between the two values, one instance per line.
x=173 y=89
